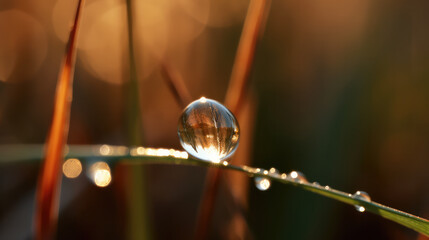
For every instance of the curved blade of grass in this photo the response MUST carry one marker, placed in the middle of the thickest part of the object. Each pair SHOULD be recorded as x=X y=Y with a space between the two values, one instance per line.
x=19 y=153
x=50 y=178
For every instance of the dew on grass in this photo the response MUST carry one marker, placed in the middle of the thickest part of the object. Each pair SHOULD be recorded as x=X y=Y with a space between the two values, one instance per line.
x=208 y=130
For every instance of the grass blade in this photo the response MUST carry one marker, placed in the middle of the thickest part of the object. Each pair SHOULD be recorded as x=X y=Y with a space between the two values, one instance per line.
x=138 y=225
x=50 y=178
x=26 y=153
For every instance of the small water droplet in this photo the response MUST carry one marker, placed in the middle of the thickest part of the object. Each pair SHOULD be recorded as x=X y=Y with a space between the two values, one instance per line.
x=316 y=184
x=298 y=177
x=225 y=163
x=362 y=196
x=208 y=130
x=327 y=187
x=265 y=172
x=284 y=176
x=262 y=184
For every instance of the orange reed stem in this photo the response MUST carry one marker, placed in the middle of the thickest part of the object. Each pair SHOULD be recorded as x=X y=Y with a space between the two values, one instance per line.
x=48 y=189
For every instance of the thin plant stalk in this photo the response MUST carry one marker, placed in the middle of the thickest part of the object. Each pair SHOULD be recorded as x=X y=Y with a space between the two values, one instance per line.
x=235 y=95
x=252 y=29
x=176 y=85
x=49 y=185
x=138 y=224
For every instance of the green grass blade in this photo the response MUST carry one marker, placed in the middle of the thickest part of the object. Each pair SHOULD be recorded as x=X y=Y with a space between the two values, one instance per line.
x=27 y=153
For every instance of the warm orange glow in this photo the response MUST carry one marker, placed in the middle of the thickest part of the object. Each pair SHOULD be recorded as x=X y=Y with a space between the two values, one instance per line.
x=100 y=174
x=103 y=20
x=18 y=27
x=72 y=168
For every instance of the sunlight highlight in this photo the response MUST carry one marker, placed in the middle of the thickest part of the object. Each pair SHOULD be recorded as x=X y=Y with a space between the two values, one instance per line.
x=203 y=100
x=360 y=209
x=158 y=152
x=100 y=174
x=102 y=178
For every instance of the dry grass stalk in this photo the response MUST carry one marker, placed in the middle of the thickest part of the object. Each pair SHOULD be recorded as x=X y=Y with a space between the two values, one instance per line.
x=176 y=85
x=234 y=99
x=48 y=190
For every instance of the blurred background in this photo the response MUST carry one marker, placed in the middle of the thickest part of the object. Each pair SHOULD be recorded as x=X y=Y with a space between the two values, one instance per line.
x=338 y=91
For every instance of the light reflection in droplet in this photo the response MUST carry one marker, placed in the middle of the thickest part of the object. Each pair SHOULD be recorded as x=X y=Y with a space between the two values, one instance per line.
x=360 y=208
x=361 y=195
x=298 y=177
x=203 y=100
x=158 y=152
x=102 y=178
x=262 y=184
x=100 y=174
x=72 y=168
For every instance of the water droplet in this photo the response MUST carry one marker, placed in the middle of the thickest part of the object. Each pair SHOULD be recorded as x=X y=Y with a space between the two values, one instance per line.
x=274 y=172
x=208 y=130
x=362 y=196
x=262 y=183
x=100 y=174
x=283 y=176
x=298 y=177
x=316 y=184
x=327 y=187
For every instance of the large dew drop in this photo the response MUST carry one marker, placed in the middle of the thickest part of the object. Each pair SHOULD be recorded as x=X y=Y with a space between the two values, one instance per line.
x=262 y=183
x=208 y=130
x=362 y=196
